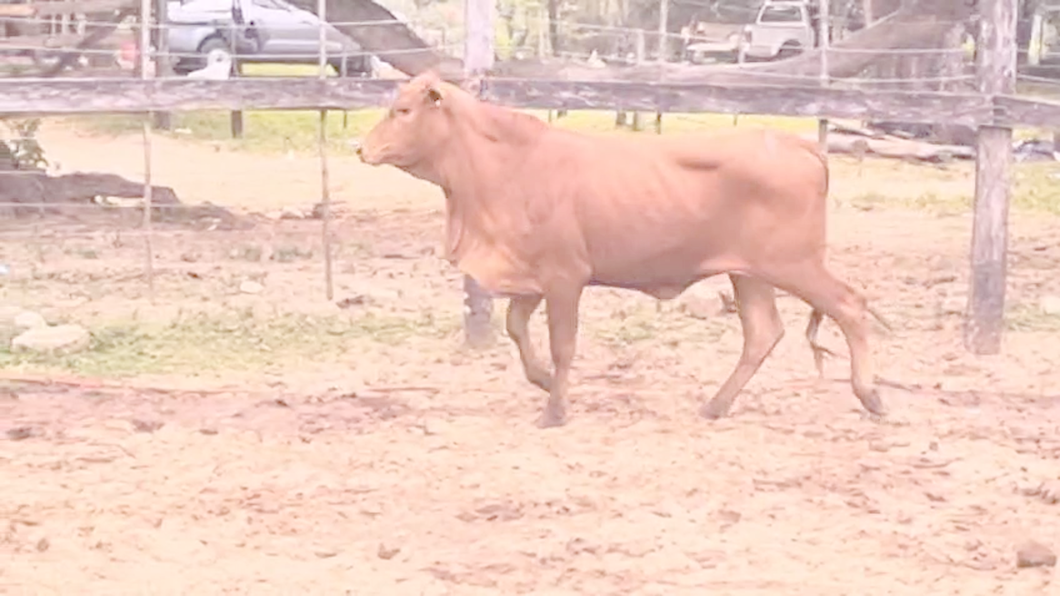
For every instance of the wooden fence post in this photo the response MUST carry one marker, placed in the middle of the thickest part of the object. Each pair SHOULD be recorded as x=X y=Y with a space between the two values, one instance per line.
x=640 y=53
x=663 y=51
x=145 y=74
x=236 y=116
x=163 y=61
x=823 y=41
x=664 y=20
x=478 y=59
x=996 y=74
x=322 y=149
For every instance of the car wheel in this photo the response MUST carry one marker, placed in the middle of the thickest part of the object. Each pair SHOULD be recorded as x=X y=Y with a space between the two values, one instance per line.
x=356 y=66
x=212 y=45
x=790 y=49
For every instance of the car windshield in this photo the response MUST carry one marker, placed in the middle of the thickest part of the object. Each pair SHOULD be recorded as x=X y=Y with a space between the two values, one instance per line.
x=271 y=4
x=781 y=14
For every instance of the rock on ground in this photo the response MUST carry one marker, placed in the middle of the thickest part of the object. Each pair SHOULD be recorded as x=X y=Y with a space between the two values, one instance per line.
x=1050 y=305
x=14 y=320
x=1035 y=554
x=251 y=287
x=61 y=339
x=28 y=319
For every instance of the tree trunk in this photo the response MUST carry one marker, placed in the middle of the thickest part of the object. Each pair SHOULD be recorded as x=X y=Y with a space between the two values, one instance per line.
x=383 y=39
x=553 y=26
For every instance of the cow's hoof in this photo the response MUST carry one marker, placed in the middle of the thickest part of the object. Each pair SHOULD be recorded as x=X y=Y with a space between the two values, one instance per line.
x=870 y=400
x=543 y=382
x=551 y=418
x=713 y=410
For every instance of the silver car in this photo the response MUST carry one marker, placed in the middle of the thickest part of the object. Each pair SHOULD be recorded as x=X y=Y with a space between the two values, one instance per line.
x=271 y=31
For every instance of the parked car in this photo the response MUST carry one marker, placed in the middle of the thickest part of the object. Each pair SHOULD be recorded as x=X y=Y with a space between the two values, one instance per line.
x=271 y=31
x=781 y=29
x=709 y=48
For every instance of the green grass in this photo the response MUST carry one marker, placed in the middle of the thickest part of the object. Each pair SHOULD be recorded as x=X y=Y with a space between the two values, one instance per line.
x=238 y=341
x=1023 y=317
x=298 y=130
x=657 y=324
x=1038 y=187
x=1036 y=190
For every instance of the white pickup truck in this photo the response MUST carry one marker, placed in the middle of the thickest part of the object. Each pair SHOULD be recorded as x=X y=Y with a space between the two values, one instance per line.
x=781 y=29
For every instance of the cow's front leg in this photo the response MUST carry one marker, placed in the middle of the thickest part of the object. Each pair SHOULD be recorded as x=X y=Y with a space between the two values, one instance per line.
x=562 y=338
x=520 y=308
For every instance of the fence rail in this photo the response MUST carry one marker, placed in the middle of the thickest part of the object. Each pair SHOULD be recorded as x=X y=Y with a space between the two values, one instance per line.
x=825 y=83
x=81 y=96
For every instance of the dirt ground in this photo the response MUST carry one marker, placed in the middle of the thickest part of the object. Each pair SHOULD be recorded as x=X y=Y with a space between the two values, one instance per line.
x=392 y=461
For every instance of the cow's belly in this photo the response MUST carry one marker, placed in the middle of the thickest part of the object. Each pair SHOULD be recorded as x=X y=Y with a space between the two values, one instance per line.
x=660 y=229
x=660 y=255
x=664 y=279
x=497 y=273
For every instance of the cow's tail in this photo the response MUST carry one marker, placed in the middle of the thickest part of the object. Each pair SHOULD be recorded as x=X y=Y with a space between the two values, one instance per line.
x=822 y=156
x=879 y=317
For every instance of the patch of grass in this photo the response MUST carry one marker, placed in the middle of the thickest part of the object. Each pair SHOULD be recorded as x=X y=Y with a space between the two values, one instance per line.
x=263 y=131
x=1024 y=317
x=297 y=130
x=651 y=325
x=1037 y=187
x=237 y=341
x=288 y=254
x=1036 y=190
x=929 y=201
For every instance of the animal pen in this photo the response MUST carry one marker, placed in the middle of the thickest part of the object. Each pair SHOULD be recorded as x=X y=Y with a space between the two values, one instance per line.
x=277 y=393
x=824 y=83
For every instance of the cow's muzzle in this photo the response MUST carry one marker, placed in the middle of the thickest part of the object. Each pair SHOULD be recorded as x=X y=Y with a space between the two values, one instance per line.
x=367 y=156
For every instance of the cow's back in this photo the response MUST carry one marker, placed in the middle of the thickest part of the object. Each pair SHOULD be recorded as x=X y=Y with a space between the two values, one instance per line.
x=663 y=207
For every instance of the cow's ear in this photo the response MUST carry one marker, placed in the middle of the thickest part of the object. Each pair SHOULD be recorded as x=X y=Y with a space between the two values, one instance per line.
x=434 y=95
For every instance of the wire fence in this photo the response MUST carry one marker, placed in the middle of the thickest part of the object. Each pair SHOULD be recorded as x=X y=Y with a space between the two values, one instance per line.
x=273 y=43
x=182 y=52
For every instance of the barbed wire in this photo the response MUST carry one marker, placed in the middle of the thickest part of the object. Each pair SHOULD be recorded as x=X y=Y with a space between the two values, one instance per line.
x=221 y=23
x=50 y=233
x=613 y=57
x=103 y=205
x=1036 y=79
x=235 y=55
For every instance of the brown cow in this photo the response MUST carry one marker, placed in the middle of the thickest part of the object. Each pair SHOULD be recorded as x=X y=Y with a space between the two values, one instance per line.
x=535 y=212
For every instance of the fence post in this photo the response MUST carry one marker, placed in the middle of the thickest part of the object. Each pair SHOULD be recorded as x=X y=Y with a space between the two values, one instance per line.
x=664 y=19
x=663 y=53
x=163 y=61
x=478 y=59
x=145 y=74
x=996 y=74
x=236 y=117
x=823 y=41
x=640 y=55
x=322 y=148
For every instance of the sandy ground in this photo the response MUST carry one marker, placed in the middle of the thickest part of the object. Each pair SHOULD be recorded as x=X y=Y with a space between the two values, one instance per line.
x=412 y=466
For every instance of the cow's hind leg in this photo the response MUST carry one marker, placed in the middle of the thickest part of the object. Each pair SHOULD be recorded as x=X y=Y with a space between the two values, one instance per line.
x=562 y=337
x=762 y=330
x=819 y=351
x=520 y=308
x=814 y=284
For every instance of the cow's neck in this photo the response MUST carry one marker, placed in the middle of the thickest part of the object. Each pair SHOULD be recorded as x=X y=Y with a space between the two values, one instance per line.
x=476 y=168
x=487 y=142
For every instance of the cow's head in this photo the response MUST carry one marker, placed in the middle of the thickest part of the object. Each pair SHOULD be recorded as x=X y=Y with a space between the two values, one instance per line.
x=414 y=127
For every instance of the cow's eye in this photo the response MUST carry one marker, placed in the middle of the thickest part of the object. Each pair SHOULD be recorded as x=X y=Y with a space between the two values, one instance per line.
x=402 y=111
